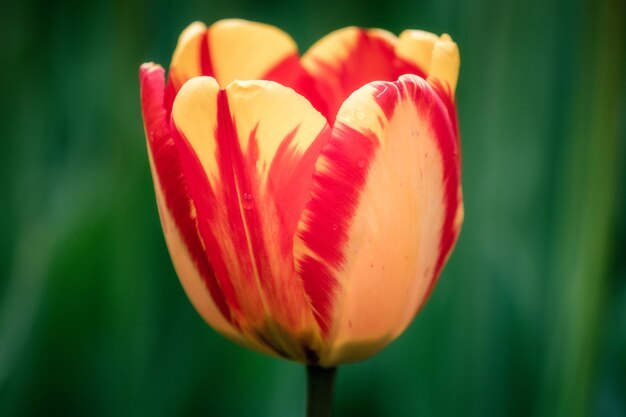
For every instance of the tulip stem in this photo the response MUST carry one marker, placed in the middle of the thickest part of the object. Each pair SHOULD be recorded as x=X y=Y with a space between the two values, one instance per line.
x=320 y=387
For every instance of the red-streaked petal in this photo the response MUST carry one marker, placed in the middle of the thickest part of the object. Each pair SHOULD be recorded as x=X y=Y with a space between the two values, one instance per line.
x=349 y=58
x=385 y=213
x=176 y=210
x=438 y=58
x=248 y=153
x=236 y=49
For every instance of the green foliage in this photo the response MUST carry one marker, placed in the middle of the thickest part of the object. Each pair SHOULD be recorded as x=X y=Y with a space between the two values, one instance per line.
x=527 y=319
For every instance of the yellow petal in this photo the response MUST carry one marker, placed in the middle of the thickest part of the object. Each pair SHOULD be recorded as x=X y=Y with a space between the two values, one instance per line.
x=233 y=49
x=186 y=60
x=445 y=62
x=437 y=57
x=416 y=46
x=243 y=50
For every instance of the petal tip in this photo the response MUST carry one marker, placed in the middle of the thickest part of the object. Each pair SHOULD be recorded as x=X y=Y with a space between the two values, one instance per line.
x=191 y=30
x=149 y=67
x=194 y=90
x=445 y=64
x=187 y=35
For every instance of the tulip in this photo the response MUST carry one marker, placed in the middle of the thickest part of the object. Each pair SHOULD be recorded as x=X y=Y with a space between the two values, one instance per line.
x=308 y=203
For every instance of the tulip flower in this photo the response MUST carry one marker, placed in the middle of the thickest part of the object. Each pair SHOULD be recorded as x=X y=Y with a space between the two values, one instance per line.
x=308 y=203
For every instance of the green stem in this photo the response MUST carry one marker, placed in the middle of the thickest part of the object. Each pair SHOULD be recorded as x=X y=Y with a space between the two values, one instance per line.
x=320 y=387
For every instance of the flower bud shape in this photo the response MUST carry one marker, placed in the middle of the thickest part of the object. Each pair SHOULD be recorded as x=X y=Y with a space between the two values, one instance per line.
x=309 y=203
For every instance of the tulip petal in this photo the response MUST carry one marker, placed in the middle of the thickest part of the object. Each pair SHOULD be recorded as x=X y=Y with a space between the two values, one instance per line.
x=249 y=151
x=349 y=58
x=231 y=49
x=190 y=58
x=444 y=66
x=416 y=46
x=179 y=227
x=246 y=50
x=386 y=187
x=236 y=49
x=438 y=58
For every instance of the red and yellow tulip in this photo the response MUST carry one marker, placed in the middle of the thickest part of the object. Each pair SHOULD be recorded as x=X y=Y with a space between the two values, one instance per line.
x=308 y=203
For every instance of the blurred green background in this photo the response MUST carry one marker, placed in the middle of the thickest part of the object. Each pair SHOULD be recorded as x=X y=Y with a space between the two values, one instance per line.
x=528 y=319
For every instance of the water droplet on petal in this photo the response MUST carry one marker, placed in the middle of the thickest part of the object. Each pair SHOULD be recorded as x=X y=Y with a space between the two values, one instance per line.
x=247 y=201
x=361 y=163
x=359 y=114
x=334 y=227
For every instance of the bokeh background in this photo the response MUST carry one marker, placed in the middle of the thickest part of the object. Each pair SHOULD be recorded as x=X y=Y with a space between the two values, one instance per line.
x=528 y=319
